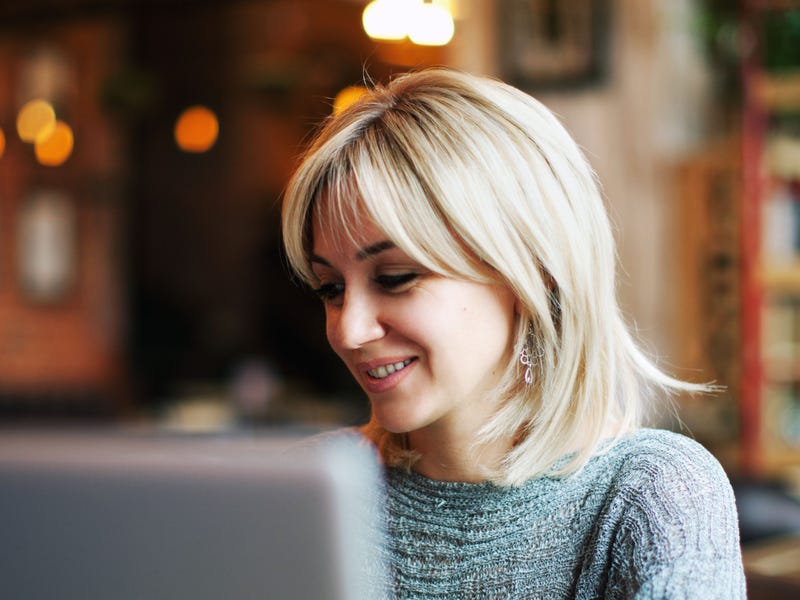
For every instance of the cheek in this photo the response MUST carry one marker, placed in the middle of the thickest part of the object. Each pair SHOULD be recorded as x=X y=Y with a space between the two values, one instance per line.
x=484 y=324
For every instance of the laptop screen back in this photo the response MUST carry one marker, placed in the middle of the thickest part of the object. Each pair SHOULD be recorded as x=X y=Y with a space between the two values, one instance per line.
x=132 y=516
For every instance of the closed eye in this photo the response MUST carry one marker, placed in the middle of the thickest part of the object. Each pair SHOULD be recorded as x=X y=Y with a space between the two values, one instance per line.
x=328 y=292
x=394 y=282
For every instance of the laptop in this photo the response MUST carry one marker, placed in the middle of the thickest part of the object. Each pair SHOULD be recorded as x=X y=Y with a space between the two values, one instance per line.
x=99 y=515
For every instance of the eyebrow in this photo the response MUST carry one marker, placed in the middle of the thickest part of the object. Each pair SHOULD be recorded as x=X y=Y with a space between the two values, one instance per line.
x=374 y=249
x=362 y=254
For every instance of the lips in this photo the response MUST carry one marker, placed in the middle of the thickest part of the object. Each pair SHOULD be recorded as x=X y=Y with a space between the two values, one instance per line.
x=384 y=374
x=385 y=370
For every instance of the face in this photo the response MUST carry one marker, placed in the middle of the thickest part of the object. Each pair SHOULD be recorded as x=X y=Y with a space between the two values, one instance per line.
x=428 y=350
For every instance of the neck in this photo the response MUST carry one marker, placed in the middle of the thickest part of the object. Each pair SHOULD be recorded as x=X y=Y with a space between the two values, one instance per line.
x=450 y=458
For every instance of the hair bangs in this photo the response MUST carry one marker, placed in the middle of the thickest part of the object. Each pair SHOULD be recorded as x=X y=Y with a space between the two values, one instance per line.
x=383 y=186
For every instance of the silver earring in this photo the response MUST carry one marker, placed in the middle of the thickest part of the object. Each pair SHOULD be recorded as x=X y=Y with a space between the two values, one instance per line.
x=526 y=357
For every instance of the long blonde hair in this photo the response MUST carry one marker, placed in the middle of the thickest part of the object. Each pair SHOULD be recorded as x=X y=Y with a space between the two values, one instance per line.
x=477 y=180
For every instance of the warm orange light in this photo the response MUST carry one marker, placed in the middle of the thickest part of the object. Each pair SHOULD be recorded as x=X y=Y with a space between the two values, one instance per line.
x=346 y=97
x=35 y=120
x=2 y=143
x=388 y=19
x=196 y=129
x=432 y=26
x=56 y=148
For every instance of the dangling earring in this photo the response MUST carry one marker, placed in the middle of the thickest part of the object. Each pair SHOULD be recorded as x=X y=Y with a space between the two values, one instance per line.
x=526 y=356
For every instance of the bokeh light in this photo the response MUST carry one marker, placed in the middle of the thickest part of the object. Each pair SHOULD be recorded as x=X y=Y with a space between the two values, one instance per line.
x=432 y=26
x=35 y=120
x=387 y=19
x=427 y=23
x=346 y=97
x=56 y=148
x=196 y=129
x=2 y=143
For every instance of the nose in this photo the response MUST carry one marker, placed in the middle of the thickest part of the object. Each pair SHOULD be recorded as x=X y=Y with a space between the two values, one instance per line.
x=355 y=323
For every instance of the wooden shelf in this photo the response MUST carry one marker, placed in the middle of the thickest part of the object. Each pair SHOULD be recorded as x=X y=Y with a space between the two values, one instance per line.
x=784 y=279
x=779 y=92
x=782 y=372
x=780 y=461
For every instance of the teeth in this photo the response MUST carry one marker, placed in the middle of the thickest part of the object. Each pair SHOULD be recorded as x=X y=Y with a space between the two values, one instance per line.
x=386 y=370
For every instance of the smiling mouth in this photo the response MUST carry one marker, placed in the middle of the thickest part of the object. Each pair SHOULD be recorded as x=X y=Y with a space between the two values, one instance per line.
x=386 y=370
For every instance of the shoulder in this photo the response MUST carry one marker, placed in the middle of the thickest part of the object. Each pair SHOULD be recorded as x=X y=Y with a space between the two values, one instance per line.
x=670 y=514
x=671 y=501
x=662 y=473
x=656 y=454
x=666 y=490
x=659 y=442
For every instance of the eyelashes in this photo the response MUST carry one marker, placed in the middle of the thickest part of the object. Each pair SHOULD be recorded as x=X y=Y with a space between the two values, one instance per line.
x=391 y=282
x=329 y=292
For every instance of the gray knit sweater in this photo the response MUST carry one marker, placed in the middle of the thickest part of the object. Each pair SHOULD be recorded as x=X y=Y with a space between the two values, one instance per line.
x=654 y=517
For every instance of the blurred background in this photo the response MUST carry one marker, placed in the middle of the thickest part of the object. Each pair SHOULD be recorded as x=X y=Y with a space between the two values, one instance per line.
x=146 y=143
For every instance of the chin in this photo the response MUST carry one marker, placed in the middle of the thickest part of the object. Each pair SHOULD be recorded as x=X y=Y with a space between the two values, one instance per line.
x=393 y=425
x=398 y=421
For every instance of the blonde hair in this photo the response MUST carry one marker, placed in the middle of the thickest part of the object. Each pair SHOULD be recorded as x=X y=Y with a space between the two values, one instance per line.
x=477 y=180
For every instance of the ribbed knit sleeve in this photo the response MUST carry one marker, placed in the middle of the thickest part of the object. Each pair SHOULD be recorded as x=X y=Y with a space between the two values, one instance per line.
x=653 y=517
x=668 y=528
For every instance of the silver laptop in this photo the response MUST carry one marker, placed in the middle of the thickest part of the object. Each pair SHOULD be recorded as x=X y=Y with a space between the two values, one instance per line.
x=118 y=516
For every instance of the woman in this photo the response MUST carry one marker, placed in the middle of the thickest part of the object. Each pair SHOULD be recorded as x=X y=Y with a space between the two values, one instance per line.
x=460 y=246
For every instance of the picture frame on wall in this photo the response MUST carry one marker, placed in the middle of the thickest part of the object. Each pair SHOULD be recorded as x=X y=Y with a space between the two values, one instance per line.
x=47 y=246
x=552 y=44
